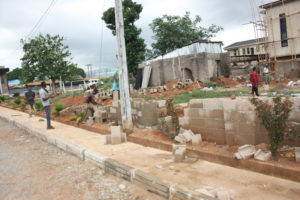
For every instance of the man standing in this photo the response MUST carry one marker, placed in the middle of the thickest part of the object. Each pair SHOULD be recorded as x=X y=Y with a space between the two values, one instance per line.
x=30 y=95
x=266 y=73
x=46 y=103
x=255 y=82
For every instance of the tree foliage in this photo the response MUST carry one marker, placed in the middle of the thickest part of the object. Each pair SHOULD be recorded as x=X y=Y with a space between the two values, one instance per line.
x=275 y=120
x=15 y=74
x=172 y=32
x=47 y=57
x=80 y=71
x=135 y=46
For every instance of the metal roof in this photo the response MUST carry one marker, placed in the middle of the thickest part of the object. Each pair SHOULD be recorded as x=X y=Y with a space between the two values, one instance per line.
x=275 y=3
x=245 y=43
x=195 y=48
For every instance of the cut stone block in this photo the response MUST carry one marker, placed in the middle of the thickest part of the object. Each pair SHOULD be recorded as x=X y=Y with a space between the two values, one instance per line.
x=115 y=103
x=261 y=155
x=175 y=147
x=245 y=152
x=188 y=134
x=196 y=139
x=115 y=139
x=180 y=138
x=179 y=155
x=297 y=154
x=115 y=95
x=115 y=130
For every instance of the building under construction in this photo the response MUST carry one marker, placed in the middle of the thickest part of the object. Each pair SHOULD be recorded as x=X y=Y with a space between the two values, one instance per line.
x=276 y=43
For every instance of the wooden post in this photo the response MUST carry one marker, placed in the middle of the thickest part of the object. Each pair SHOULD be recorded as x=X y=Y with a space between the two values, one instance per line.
x=123 y=72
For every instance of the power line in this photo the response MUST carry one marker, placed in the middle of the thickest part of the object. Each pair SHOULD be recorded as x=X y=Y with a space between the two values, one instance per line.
x=41 y=20
x=101 y=39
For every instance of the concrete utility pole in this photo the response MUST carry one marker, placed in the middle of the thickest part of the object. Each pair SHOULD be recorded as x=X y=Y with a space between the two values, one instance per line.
x=123 y=72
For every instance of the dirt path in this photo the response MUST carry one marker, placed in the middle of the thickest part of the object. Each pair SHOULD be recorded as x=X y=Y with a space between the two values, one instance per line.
x=32 y=169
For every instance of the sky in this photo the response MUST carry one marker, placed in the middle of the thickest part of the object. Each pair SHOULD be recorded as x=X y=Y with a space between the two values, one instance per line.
x=90 y=42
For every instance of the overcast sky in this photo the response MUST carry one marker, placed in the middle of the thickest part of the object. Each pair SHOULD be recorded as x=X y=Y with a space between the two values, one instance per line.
x=79 y=21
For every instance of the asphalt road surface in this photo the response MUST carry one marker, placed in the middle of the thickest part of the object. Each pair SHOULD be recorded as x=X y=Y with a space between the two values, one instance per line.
x=32 y=169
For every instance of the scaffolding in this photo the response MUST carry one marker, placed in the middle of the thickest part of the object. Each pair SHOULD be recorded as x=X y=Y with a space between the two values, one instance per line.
x=263 y=24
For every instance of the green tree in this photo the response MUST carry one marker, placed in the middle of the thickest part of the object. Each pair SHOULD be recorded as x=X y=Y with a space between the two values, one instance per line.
x=16 y=73
x=172 y=32
x=135 y=46
x=80 y=71
x=47 y=57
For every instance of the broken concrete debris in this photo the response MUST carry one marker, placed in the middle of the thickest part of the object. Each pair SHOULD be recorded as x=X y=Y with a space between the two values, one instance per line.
x=187 y=136
x=245 y=152
x=261 y=155
x=219 y=193
x=90 y=121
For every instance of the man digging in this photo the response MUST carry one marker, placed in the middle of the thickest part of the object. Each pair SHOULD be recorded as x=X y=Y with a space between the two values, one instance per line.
x=90 y=99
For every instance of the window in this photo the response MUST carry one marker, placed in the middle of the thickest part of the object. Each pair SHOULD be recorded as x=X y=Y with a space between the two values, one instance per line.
x=252 y=51
x=244 y=51
x=248 y=51
x=283 y=30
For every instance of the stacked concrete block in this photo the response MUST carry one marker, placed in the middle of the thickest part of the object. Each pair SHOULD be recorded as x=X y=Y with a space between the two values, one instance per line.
x=116 y=137
x=245 y=152
x=179 y=152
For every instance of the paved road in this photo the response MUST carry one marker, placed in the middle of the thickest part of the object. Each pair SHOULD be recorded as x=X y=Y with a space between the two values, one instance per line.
x=32 y=169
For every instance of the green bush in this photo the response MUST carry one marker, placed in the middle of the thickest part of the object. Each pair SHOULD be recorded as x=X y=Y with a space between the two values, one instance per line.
x=57 y=109
x=22 y=106
x=38 y=106
x=107 y=83
x=17 y=94
x=17 y=101
x=2 y=99
x=275 y=120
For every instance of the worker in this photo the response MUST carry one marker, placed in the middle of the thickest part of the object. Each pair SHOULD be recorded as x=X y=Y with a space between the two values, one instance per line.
x=90 y=99
x=267 y=75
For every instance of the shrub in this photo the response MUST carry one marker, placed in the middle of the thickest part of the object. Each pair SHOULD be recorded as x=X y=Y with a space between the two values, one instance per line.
x=17 y=94
x=73 y=118
x=22 y=106
x=2 y=99
x=17 y=101
x=275 y=120
x=39 y=106
x=57 y=109
x=172 y=111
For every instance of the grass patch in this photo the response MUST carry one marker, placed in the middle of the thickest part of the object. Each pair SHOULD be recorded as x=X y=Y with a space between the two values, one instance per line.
x=196 y=94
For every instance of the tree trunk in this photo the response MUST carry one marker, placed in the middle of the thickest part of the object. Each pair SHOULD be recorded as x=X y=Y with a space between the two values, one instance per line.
x=53 y=85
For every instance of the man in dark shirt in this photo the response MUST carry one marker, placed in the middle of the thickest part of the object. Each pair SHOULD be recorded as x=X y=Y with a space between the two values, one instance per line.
x=30 y=95
x=90 y=99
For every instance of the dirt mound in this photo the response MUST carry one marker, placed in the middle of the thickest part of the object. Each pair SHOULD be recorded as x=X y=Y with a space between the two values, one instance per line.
x=227 y=82
x=69 y=101
x=170 y=83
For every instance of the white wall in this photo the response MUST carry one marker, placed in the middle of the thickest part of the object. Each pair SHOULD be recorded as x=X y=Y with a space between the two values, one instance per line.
x=293 y=29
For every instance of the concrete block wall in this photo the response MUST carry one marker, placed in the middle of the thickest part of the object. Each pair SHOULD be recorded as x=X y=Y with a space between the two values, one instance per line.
x=144 y=113
x=227 y=121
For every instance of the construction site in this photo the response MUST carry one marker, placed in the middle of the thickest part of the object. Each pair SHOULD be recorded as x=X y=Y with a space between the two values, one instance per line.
x=187 y=128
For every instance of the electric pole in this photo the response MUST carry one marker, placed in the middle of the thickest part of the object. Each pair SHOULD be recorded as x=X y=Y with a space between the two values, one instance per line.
x=123 y=72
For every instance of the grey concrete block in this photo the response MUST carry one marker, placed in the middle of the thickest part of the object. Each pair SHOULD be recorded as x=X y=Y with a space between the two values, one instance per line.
x=116 y=139
x=76 y=150
x=151 y=183
x=115 y=130
x=260 y=155
x=123 y=137
x=108 y=139
x=117 y=169
x=179 y=155
x=297 y=154
x=113 y=110
x=51 y=139
x=95 y=157
x=61 y=144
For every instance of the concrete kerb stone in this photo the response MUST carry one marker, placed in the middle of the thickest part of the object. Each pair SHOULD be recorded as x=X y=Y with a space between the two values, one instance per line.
x=110 y=166
x=95 y=158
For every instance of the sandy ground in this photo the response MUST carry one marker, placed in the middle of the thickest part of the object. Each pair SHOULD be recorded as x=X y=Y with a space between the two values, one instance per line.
x=192 y=174
x=32 y=169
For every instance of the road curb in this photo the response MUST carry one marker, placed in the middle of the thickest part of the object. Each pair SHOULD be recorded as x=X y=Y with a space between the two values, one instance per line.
x=110 y=166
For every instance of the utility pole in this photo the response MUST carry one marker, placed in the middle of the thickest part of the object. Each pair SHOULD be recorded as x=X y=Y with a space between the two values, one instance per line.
x=123 y=72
